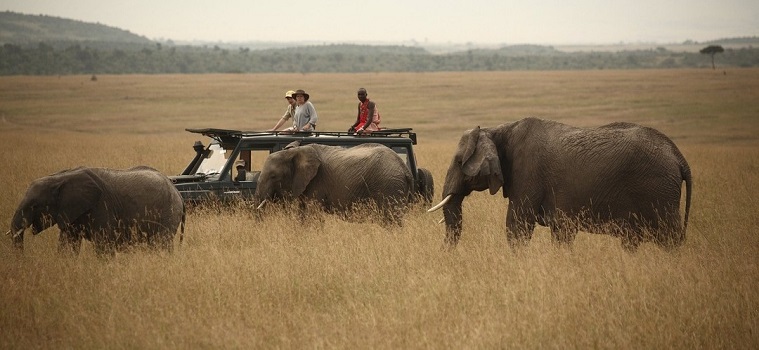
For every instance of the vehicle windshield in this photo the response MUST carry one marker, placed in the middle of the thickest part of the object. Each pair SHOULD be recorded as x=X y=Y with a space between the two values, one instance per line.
x=214 y=160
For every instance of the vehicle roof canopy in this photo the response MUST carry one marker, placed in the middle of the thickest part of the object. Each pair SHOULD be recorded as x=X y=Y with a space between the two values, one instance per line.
x=228 y=137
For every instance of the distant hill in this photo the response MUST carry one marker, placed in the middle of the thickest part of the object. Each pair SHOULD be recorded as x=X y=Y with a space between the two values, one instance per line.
x=746 y=40
x=516 y=51
x=21 y=29
x=45 y=45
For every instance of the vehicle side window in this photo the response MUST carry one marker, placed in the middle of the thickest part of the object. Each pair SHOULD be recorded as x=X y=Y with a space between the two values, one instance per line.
x=214 y=161
x=254 y=161
x=257 y=159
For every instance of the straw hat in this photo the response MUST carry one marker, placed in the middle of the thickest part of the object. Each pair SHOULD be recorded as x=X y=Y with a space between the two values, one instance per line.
x=301 y=92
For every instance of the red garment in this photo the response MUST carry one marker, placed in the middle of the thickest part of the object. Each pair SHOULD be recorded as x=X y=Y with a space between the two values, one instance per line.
x=363 y=116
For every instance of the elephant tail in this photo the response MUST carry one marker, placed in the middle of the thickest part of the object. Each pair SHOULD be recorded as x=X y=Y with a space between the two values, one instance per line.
x=686 y=175
x=181 y=225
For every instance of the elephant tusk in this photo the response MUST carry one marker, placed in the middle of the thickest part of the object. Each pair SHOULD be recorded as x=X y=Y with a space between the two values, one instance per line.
x=7 y=233
x=261 y=205
x=441 y=221
x=18 y=233
x=441 y=204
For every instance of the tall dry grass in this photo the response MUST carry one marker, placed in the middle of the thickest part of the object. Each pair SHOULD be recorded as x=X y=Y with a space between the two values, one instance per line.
x=240 y=281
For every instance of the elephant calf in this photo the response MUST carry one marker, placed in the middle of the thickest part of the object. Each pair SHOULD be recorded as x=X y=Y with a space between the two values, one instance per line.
x=112 y=208
x=338 y=178
x=621 y=178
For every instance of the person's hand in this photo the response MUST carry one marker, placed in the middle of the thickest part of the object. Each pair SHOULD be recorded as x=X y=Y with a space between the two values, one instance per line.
x=360 y=131
x=351 y=130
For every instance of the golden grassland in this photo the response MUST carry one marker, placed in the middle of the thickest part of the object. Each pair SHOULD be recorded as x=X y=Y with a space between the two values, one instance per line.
x=238 y=281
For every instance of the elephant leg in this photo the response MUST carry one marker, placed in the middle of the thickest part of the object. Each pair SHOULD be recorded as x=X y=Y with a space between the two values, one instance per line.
x=563 y=229
x=159 y=243
x=520 y=237
x=162 y=241
x=310 y=212
x=69 y=242
x=303 y=211
x=393 y=219
x=392 y=213
x=631 y=237
x=519 y=230
x=668 y=232
x=168 y=244
x=104 y=248
x=563 y=234
x=105 y=251
x=671 y=239
x=630 y=242
x=520 y=222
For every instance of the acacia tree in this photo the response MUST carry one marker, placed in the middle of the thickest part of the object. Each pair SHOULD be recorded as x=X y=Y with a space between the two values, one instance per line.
x=712 y=50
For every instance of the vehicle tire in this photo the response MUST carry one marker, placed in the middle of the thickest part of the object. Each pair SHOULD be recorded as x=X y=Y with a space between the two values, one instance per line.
x=425 y=185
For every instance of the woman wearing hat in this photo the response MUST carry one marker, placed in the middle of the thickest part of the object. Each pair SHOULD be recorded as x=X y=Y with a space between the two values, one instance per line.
x=289 y=112
x=305 y=114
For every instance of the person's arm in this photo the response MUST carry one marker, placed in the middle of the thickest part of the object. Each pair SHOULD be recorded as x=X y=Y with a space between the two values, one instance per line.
x=279 y=124
x=285 y=117
x=358 y=119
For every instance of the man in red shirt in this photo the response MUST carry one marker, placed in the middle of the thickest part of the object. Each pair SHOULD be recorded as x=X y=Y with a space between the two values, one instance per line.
x=368 y=117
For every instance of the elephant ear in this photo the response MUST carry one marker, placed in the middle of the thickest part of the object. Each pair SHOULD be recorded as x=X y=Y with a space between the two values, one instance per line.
x=471 y=144
x=306 y=163
x=293 y=144
x=77 y=194
x=480 y=159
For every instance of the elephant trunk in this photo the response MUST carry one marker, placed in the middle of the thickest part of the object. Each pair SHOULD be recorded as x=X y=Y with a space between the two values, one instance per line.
x=453 y=220
x=23 y=219
x=18 y=226
x=18 y=239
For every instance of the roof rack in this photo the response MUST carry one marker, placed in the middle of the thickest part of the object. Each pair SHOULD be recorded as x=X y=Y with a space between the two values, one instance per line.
x=228 y=133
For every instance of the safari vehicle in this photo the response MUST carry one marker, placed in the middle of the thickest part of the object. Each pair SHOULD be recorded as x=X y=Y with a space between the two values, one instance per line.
x=229 y=166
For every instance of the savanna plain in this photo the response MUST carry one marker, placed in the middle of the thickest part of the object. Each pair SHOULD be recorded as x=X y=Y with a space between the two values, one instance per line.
x=243 y=281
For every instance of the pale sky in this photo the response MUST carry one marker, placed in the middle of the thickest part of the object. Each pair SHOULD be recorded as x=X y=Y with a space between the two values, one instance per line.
x=477 y=21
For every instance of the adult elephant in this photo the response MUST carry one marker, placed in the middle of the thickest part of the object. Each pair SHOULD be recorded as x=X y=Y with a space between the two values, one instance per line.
x=112 y=208
x=339 y=178
x=621 y=178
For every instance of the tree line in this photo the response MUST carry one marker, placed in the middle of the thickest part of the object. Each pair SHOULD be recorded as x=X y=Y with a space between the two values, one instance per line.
x=47 y=58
